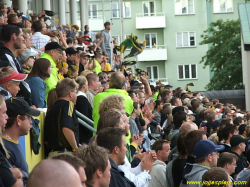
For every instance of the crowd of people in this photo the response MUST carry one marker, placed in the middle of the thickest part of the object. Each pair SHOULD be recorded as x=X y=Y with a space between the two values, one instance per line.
x=146 y=136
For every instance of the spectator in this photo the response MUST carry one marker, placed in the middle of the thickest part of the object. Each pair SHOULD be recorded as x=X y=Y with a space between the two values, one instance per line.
x=113 y=139
x=40 y=71
x=157 y=111
x=135 y=114
x=77 y=163
x=106 y=43
x=238 y=145
x=206 y=155
x=176 y=101
x=39 y=40
x=53 y=51
x=54 y=173
x=62 y=69
x=61 y=125
x=18 y=124
x=27 y=59
x=228 y=162
x=72 y=71
x=83 y=106
x=242 y=130
x=9 y=81
x=158 y=173
x=225 y=133
x=97 y=169
x=71 y=56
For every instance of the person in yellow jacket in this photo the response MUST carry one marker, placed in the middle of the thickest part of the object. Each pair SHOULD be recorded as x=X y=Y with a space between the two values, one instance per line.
x=62 y=69
x=53 y=52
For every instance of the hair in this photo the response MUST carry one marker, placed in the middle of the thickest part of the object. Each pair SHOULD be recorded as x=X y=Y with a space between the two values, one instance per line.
x=201 y=159
x=8 y=31
x=191 y=139
x=72 y=160
x=37 y=26
x=158 y=145
x=181 y=145
x=40 y=69
x=81 y=81
x=92 y=77
x=173 y=101
x=69 y=40
x=11 y=18
x=95 y=158
x=226 y=158
x=72 y=69
x=195 y=104
x=110 y=137
x=11 y=121
x=135 y=105
x=118 y=80
x=247 y=129
x=237 y=121
x=110 y=118
x=210 y=115
x=215 y=174
x=225 y=130
x=179 y=117
x=85 y=26
x=86 y=72
x=52 y=98
x=6 y=71
x=111 y=102
x=65 y=86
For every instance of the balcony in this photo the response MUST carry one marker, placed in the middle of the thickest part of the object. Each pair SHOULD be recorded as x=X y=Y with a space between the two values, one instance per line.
x=96 y=24
x=150 y=20
x=156 y=53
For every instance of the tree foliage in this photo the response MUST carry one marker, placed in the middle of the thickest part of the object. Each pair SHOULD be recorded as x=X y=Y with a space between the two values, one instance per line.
x=223 y=55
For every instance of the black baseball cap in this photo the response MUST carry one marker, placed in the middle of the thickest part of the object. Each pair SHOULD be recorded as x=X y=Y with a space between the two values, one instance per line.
x=54 y=45
x=71 y=51
x=237 y=139
x=18 y=106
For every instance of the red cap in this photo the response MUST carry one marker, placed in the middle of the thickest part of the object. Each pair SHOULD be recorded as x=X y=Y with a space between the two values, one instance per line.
x=15 y=76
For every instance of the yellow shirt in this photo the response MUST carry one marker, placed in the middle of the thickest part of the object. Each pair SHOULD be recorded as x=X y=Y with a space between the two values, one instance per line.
x=107 y=67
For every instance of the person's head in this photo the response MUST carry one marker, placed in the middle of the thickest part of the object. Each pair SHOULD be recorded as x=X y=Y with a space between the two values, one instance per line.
x=217 y=175
x=238 y=144
x=13 y=34
x=71 y=54
x=37 y=26
x=238 y=121
x=41 y=68
x=113 y=139
x=187 y=126
x=242 y=130
x=226 y=131
x=19 y=113
x=162 y=149
x=192 y=138
x=67 y=89
x=54 y=173
x=97 y=165
x=69 y=41
x=158 y=105
x=12 y=18
x=72 y=71
x=28 y=57
x=137 y=109
x=84 y=58
x=141 y=97
x=93 y=81
x=195 y=104
x=176 y=101
x=63 y=67
x=10 y=79
x=82 y=83
x=86 y=27
x=111 y=102
x=206 y=152
x=180 y=118
x=107 y=25
x=63 y=57
x=77 y=163
x=111 y=118
x=228 y=161
x=133 y=95
x=54 y=50
x=27 y=38
x=117 y=80
x=3 y=114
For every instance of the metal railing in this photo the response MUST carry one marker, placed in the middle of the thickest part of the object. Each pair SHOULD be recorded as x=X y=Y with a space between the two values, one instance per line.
x=156 y=47
x=150 y=14
x=88 y=126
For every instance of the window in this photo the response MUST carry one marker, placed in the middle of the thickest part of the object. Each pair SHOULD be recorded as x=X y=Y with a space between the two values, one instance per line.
x=148 y=8
x=151 y=40
x=184 y=6
x=185 y=39
x=187 y=71
x=153 y=72
x=92 y=11
x=115 y=10
x=223 y=6
x=126 y=10
x=117 y=39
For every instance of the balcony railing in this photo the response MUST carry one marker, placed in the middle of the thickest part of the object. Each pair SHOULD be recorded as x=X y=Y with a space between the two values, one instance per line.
x=150 y=20
x=156 y=53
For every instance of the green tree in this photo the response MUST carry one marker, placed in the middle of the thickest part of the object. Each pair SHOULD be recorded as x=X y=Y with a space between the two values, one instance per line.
x=224 y=55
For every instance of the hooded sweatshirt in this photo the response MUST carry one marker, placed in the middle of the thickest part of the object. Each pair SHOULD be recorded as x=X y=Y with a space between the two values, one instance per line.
x=195 y=175
x=243 y=176
x=158 y=175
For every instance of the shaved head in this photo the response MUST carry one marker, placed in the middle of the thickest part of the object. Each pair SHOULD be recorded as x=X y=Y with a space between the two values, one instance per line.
x=188 y=126
x=54 y=173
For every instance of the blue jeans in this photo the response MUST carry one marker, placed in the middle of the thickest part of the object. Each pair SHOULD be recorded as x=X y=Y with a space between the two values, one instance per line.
x=109 y=52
